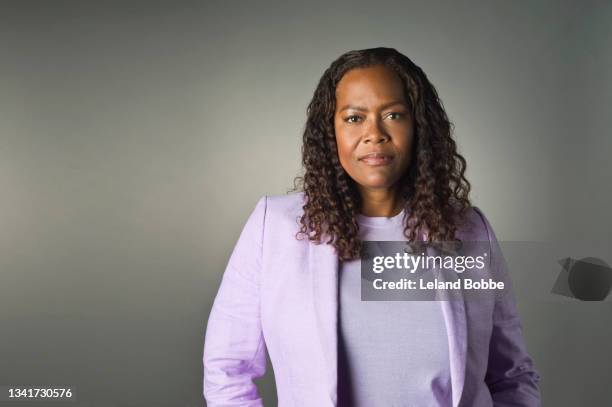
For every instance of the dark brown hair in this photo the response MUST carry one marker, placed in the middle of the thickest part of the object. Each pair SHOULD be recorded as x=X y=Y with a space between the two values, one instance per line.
x=434 y=187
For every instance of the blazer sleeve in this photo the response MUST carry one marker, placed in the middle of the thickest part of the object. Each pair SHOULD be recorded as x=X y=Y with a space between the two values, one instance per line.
x=511 y=376
x=234 y=348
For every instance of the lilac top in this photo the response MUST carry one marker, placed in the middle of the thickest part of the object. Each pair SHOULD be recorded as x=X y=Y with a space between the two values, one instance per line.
x=390 y=353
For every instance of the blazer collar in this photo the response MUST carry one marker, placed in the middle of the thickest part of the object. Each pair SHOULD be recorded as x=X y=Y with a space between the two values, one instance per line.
x=324 y=266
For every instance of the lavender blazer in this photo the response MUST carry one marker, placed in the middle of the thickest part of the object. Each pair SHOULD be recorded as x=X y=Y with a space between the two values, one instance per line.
x=279 y=295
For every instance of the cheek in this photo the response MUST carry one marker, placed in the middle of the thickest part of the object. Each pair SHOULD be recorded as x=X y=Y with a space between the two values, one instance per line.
x=406 y=143
x=344 y=155
x=345 y=146
x=407 y=147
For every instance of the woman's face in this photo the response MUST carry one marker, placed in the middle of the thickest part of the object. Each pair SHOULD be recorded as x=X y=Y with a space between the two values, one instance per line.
x=374 y=129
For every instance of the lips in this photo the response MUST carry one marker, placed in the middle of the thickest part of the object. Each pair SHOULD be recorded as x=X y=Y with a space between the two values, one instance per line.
x=376 y=158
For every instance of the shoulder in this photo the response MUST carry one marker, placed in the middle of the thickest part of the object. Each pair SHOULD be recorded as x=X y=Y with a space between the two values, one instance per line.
x=280 y=209
x=477 y=229
x=291 y=203
x=287 y=205
x=475 y=226
x=274 y=216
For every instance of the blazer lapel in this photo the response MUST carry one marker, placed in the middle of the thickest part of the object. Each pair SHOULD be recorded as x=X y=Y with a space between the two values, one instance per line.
x=454 y=316
x=323 y=266
x=453 y=311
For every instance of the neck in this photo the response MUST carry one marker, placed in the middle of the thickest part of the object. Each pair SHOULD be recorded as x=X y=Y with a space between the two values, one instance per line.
x=381 y=202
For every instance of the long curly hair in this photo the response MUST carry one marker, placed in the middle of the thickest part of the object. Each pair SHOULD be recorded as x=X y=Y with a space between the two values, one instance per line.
x=434 y=187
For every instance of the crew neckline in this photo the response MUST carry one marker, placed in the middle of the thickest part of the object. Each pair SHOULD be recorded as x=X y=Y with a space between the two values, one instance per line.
x=381 y=221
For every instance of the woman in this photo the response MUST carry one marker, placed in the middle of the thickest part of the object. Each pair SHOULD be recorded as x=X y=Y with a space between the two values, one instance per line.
x=380 y=164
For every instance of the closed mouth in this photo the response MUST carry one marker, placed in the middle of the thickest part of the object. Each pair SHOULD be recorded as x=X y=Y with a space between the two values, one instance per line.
x=376 y=159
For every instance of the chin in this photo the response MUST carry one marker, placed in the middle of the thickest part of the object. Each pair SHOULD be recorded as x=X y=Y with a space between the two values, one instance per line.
x=376 y=185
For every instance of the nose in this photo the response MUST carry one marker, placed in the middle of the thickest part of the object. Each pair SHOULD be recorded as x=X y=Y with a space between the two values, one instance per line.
x=375 y=133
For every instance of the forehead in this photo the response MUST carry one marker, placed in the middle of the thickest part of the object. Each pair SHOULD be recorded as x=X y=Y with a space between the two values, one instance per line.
x=369 y=85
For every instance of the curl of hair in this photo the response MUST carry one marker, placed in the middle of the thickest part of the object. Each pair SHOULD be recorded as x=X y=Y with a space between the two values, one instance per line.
x=434 y=188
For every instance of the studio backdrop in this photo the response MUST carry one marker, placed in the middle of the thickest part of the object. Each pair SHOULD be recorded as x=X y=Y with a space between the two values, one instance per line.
x=137 y=137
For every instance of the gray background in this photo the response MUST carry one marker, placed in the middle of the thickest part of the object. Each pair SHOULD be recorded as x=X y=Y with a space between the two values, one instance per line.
x=136 y=137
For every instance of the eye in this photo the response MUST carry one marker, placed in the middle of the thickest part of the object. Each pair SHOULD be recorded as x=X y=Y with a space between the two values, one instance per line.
x=395 y=114
x=351 y=119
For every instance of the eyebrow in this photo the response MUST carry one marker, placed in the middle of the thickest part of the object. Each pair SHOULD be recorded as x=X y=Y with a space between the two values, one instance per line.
x=349 y=106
